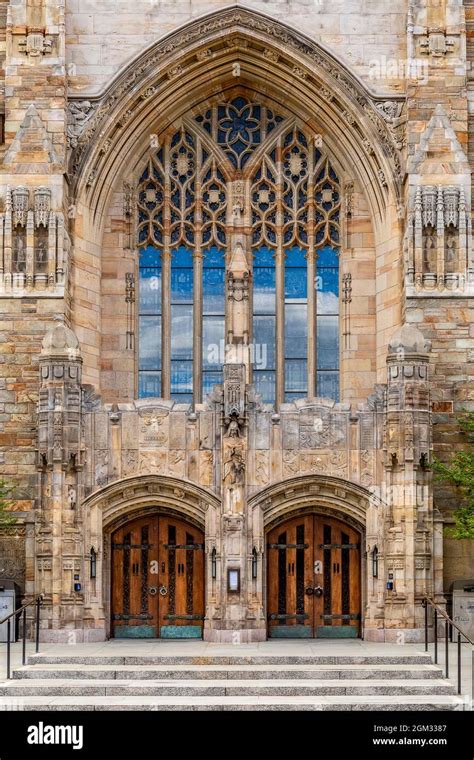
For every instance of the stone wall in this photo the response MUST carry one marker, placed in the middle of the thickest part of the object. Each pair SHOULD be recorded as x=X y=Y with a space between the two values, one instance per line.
x=100 y=41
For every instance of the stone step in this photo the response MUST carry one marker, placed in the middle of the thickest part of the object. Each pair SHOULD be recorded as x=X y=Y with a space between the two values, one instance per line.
x=229 y=672
x=405 y=659
x=220 y=688
x=195 y=703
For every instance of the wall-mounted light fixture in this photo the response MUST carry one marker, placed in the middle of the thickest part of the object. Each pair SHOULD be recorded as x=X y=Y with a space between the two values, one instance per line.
x=214 y=564
x=254 y=563
x=375 y=562
x=93 y=558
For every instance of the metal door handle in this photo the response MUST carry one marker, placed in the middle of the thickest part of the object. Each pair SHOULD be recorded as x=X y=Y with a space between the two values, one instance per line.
x=316 y=591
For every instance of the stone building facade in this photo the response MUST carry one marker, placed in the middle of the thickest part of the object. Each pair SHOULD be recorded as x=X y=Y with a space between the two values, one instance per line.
x=237 y=148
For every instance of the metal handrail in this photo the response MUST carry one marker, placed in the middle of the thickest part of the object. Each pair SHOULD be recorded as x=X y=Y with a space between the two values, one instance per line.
x=448 y=628
x=22 y=611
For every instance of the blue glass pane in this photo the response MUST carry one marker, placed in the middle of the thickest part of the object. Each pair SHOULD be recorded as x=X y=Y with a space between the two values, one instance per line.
x=264 y=342
x=209 y=380
x=264 y=257
x=327 y=339
x=149 y=384
x=296 y=376
x=296 y=285
x=181 y=332
x=327 y=286
x=214 y=257
x=328 y=257
x=265 y=385
x=150 y=290
x=150 y=343
x=181 y=285
x=295 y=257
x=213 y=286
x=181 y=378
x=296 y=331
x=182 y=257
x=150 y=257
x=212 y=342
x=264 y=290
x=328 y=385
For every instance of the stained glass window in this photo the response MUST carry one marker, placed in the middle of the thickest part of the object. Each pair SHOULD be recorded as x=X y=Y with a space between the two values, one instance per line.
x=186 y=230
x=327 y=329
x=264 y=323
x=149 y=382
x=213 y=318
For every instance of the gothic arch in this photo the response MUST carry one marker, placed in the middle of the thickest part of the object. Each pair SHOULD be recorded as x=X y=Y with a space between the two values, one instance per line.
x=125 y=500
x=129 y=497
x=330 y=495
x=173 y=75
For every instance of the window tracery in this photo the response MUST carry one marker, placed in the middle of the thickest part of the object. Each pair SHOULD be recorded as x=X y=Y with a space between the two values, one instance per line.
x=184 y=231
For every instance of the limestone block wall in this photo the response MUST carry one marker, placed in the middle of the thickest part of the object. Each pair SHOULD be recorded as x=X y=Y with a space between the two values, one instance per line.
x=448 y=324
x=102 y=38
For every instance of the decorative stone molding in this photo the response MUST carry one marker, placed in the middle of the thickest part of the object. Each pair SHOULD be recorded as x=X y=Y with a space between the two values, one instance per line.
x=158 y=65
x=33 y=244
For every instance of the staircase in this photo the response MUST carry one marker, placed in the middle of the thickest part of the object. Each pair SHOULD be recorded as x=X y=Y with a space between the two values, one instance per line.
x=233 y=682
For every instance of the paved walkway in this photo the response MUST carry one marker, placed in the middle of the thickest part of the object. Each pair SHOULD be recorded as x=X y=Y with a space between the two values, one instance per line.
x=124 y=647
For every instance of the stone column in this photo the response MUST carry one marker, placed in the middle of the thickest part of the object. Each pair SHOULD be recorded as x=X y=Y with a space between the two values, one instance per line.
x=410 y=556
x=60 y=569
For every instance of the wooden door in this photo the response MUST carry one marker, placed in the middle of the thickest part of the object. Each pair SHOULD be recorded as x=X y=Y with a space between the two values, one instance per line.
x=134 y=587
x=181 y=568
x=157 y=579
x=313 y=579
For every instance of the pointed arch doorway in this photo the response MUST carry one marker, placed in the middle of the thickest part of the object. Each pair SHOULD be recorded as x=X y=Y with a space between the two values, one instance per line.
x=157 y=579
x=314 y=578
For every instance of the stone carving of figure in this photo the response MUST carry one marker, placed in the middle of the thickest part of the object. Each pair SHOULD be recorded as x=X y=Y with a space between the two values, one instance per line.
x=235 y=468
x=19 y=255
x=234 y=423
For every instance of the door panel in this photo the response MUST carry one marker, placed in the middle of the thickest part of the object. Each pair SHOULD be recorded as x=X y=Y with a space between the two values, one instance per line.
x=290 y=558
x=157 y=579
x=181 y=564
x=134 y=599
x=314 y=579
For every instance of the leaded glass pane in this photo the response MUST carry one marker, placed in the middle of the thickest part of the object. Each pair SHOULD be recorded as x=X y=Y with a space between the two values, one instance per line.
x=328 y=385
x=296 y=331
x=327 y=338
x=265 y=385
x=212 y=342
x=181 y=380
x=181 y=332
x=149 y=384
x=296 y=377
x=264 y=342
x=150 y=343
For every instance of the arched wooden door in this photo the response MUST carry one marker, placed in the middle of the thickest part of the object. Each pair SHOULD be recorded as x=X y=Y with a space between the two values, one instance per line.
x=313 y=579
x=157 y=579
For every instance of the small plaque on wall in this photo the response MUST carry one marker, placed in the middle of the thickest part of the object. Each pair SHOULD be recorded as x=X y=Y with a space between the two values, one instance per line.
x=233 y=580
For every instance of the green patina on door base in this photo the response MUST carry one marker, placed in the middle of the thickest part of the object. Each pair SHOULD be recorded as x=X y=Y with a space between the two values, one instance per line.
x=181 y=632
x=337 y=632
x=290 y=632
x=135 y=632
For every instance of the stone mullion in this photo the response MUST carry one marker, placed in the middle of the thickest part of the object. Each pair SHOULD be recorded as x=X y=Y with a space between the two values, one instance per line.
x=440 y=237
x=311 y=281
x=197 y=294
x=166 y=283
x=30 y=248
x=52 y=248
x=280 y=284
